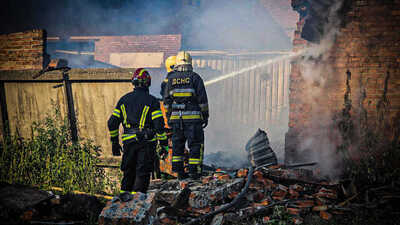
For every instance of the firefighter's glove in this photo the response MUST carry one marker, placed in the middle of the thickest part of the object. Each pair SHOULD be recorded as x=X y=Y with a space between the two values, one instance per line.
x=204 y=123
x=116 y=149
x=163 y=152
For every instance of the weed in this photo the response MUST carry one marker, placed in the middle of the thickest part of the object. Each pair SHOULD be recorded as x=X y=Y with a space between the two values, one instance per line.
x=50 y=158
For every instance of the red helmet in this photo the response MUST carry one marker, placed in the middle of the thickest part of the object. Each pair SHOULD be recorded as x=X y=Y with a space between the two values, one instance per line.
x=141 y=78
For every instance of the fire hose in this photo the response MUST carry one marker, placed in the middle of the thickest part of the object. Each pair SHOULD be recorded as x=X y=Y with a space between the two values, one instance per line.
x=229 y=205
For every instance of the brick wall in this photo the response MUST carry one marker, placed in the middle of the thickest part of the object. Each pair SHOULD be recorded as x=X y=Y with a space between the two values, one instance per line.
x=23 y=50
x=168 y=44
x=368 y=46
x=283 y=14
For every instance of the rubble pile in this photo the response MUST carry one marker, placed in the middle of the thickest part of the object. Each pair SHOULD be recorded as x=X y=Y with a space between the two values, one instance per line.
x=269 y=187
x=193 y=202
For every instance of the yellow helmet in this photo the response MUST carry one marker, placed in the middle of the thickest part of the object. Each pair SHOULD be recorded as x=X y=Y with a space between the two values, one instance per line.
x=170 y=63
x=183 y=58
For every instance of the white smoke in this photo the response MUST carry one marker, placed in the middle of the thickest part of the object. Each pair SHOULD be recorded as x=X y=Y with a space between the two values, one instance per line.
x=316 y=70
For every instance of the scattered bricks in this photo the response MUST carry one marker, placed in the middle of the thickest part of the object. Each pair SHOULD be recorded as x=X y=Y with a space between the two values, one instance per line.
x=293 y=211
x=183 y=184
x=320 y=208
x=258 y=175
x=297 y=220
x=243 y=172
x=139 y=210
x=296 y=187
x=321 y=201
x=325 y=215
x=279 y=195
x=166 y=220
x=233 y=194
x=266 y=219
x=304 y=203
x=224 y=177
x=293 y=194
x=282 y=187
x=280 y=192
x=326 y=193
x=27 y=215
x=255 y=197
x=207 y=179
x=265 y=202
x=337 y=212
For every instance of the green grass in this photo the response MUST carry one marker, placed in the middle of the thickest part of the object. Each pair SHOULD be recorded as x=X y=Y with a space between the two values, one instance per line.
x=49 y=158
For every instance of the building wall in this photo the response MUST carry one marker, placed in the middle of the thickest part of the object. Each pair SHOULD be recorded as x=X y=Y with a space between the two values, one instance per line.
x=23 y=50
x=368 y=47
x=142 y=48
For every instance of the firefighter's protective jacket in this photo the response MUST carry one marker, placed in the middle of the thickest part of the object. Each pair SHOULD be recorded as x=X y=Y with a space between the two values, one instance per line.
x=185 y=97
x=141 y=117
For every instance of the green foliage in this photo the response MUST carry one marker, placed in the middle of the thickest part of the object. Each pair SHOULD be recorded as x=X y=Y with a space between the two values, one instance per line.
x=50 y=158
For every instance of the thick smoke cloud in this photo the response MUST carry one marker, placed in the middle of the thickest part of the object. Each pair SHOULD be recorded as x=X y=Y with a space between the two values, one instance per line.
x=87 y=17
x=316 y=71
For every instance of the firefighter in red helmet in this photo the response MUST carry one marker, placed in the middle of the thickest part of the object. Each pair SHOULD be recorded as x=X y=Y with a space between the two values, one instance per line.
x=143 y=123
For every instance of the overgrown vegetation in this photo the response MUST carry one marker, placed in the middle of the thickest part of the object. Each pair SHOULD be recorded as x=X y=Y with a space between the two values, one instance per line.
x=374 y=144
x=371 y=155
x=50 y=158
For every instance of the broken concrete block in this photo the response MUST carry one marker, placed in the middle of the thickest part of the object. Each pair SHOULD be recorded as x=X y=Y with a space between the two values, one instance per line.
x=202 y=198
x=139 y=210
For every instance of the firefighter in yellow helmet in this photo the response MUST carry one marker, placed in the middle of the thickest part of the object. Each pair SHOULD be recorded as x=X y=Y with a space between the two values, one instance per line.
x=186 y=104
x=169 y=65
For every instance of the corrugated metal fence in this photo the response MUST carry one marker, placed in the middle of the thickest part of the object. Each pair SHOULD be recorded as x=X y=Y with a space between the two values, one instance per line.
x=256 y=97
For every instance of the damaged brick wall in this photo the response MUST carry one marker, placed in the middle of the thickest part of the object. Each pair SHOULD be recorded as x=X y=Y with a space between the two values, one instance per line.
x=23 y=50
x=106 y=45
x=367 y=46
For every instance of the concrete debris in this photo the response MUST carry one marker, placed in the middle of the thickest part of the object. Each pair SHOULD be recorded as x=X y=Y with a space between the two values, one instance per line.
x=140 y=210
x=174 y=202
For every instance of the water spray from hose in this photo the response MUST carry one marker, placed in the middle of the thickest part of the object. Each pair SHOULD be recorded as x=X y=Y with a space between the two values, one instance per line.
x=253 y=67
